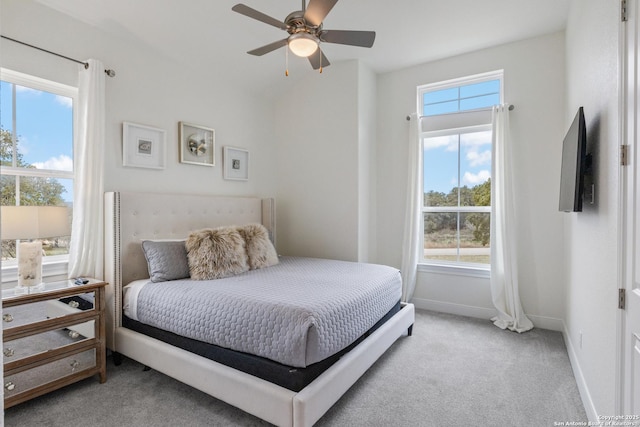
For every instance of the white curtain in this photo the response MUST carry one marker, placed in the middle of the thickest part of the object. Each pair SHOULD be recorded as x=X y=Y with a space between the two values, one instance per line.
x=412 y=236
x=86 y=251
x=504 y=268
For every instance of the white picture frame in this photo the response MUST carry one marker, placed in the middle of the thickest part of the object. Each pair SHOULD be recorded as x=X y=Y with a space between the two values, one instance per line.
x=236 y=163
x=143 y=146
x=197 y=144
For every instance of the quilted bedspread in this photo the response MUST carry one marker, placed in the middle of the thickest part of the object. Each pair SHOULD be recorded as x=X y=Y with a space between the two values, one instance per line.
x=297 y=312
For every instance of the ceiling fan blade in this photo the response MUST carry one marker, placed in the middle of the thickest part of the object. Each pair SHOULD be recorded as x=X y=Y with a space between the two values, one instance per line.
x=268 y=48
x=317 y=10
x=353 y=38
x=252 y=13
x=316 y=61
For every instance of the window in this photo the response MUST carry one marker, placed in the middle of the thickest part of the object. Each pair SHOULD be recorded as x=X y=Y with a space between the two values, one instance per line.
x=465 y=97
x=456 y=180
x=36 y=155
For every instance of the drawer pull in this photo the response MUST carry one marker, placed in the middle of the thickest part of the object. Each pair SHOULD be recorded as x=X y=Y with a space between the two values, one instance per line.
x=74 y=304
x=8 y=352
x=74 y=364
x=7 y=317
x=73 y=334
x=9 y=386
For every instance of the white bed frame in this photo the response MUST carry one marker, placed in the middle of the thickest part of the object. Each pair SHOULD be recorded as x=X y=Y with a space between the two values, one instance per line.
x=131 y=217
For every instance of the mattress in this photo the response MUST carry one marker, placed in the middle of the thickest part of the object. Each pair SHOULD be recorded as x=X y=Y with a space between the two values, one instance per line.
x=296 y=313
x=294 y=379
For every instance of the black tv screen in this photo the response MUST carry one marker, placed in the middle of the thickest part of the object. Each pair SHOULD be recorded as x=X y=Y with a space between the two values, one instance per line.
x=574 y=165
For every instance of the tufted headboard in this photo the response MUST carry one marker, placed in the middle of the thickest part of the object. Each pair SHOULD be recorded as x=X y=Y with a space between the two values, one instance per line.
x=132 y=217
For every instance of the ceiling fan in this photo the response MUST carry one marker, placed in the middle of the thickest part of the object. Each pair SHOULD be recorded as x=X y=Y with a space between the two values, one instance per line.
x=306 y=32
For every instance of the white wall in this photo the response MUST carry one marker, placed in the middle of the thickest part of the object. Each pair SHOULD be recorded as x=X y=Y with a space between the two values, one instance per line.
x=591 y=236
x=323 y=150
x=534 y=83
x=151 y=90
x=367 y=160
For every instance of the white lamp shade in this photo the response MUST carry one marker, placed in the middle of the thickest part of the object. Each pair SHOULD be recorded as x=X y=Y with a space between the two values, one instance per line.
x=34 y=222
x=303 y=44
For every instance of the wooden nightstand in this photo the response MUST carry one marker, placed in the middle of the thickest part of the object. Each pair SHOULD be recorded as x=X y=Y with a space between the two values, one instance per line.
x=52 y=338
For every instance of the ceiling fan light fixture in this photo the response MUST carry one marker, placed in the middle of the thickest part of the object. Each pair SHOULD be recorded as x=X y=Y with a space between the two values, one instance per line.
x=303 y=44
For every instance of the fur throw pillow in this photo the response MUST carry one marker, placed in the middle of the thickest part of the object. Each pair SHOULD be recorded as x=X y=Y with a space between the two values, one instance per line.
x=260 y=250
x=216 y=253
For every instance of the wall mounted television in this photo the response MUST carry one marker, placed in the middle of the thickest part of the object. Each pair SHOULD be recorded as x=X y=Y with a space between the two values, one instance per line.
x=575 y=165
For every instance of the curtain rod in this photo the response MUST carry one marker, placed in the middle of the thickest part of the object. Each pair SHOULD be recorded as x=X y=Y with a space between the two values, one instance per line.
x=511 y=107
x=108 y=72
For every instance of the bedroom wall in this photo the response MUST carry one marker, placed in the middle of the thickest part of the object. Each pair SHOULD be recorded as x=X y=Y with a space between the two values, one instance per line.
x=152 y=90
x=534 y=83
x=324 y=141
x=591 y=244
x=367 y=160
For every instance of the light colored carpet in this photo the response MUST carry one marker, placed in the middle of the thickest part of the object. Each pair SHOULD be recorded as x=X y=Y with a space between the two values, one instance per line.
x=453 y=371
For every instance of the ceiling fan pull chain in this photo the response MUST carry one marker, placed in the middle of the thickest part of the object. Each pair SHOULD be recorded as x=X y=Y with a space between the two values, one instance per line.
x=286 y=61
x=320 y=55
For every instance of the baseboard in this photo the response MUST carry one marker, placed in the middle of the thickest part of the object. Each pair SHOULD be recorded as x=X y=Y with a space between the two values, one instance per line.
x=587 y=402
x=541 y=322
x=452 y=308
x=544 y=322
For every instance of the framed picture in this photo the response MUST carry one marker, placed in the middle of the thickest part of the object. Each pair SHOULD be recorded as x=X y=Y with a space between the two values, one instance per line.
x=236 y=163
x=197 y=145
x=143 y=146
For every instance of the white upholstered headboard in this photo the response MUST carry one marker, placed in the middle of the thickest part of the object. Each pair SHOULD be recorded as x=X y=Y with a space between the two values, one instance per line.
x=132 y=217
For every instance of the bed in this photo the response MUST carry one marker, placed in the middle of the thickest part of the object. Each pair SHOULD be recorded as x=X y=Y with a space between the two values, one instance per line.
x=131 y=218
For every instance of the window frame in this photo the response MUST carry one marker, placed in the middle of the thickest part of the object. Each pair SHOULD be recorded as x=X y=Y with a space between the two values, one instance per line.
x=55 y=265
x=457 y=82
x=468 y=121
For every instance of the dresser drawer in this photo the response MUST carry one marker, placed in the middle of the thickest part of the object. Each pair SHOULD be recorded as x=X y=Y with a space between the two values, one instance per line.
x=28 y=380
x=26 y=314
x=46 y=341
x=60 y=308
x=22 y=315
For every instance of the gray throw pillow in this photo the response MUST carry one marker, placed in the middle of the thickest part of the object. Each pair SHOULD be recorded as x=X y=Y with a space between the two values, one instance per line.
x=166 y=260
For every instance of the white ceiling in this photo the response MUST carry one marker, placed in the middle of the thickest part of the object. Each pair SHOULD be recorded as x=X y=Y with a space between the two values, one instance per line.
x=408 y=32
